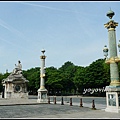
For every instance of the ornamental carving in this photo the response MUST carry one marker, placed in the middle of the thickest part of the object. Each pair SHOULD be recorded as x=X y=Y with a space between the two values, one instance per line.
x=115 y=82
x=43 y=57
x=111 y=24
x=112 y=60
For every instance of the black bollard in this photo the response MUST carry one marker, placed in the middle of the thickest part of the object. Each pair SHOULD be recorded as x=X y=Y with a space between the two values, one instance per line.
x=81 y=105
x=54 y=100
x=62 y=101
x=70 y=101
x=48 y=100
x=93 y=105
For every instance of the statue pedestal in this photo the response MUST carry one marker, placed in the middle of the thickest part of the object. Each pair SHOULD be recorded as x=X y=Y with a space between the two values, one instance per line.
x=15 y=86
x=113 y=99
x=42 y=96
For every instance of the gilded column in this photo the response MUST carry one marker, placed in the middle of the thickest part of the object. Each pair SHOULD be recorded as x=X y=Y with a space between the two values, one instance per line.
x=113 y=60
x=42 y=71
x=42 y=91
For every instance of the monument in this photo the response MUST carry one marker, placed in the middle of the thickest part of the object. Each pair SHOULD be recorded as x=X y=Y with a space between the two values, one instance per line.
x=42 y=91
x=113 y=90
x=15 y=85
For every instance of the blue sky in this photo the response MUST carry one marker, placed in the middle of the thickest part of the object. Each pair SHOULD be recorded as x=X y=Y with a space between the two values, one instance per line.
x=68 y=31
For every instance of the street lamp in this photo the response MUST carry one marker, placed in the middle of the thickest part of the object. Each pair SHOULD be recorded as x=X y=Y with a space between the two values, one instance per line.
x=119 y=45
x=105 y=51
x=113 y=90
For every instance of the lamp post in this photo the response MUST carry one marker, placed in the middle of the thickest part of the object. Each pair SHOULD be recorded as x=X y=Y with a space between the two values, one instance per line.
x=113 y=90
x=42 y=91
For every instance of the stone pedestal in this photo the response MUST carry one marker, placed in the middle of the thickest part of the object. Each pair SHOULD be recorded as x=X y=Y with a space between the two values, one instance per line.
x=42 y=96
x=113 y=99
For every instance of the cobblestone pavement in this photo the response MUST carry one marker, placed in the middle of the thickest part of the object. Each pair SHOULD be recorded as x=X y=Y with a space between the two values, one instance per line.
x=30 y=109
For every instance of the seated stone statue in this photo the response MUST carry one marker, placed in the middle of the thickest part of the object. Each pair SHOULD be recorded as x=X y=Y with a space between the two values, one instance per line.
x=18 y=68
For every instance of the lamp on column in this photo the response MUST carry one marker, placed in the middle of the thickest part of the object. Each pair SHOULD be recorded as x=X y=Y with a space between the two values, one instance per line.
x=105 y=51
x=119 y=45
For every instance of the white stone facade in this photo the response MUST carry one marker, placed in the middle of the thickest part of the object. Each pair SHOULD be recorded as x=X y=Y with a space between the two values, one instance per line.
x=113 y=99
x=15 y=85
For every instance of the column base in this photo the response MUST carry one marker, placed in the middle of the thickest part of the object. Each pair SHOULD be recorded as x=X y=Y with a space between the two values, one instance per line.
x=112 y=109
x=42 y=96
x=42 y=100
x=113 y=99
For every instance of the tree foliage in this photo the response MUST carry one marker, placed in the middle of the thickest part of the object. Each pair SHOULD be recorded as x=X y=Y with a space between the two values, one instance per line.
x=68 y=78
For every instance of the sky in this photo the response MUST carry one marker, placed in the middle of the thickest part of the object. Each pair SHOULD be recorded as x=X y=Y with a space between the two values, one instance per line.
x=67 y=30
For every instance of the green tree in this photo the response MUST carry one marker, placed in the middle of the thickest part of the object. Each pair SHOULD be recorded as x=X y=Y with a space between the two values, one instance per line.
x=79 y=78
x=68 y=77
x=2 y=76
x=53 y=80
x=67 y=72
x=33 y=76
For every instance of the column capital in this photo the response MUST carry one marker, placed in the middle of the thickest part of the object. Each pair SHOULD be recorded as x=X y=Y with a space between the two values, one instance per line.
x=43 y=57
x=111 y=25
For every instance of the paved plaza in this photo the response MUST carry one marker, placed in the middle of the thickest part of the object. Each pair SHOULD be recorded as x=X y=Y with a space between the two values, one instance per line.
x=30 y=109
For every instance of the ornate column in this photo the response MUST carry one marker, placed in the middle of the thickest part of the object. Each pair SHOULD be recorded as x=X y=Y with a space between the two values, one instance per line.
x=42 y=91
x=113 y=90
